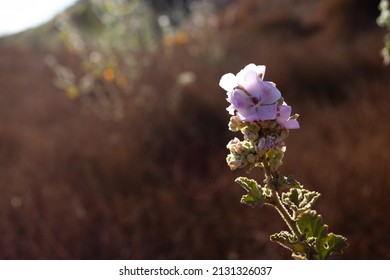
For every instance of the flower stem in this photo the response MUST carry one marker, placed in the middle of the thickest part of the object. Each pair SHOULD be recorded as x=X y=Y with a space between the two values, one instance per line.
x=272 y=184
x=277 y=203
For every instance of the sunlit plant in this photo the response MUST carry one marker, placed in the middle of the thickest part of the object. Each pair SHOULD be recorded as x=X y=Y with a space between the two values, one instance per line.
x=264 y=119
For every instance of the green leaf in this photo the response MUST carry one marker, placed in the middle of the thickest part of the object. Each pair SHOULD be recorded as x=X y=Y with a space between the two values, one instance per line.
x=255 y=196
x=248 y=184
x=333 y=243
x=274 y=158
x=299 y=200
x=289 y=241
x=250 y=200
x=311 y=224
x=291 y=182
x=323 y=244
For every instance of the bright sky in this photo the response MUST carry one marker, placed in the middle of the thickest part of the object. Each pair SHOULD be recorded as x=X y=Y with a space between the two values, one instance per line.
x=17 y=15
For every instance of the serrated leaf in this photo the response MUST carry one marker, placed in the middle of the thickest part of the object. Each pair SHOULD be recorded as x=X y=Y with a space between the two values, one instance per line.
x=332 y=244
x=289 y=241
x=299 y=200
x=266 y=192
x=250 y=200
x=248 y=184
x=292 y=182
x=316 y=233
x=255 y=196
x=310 y=224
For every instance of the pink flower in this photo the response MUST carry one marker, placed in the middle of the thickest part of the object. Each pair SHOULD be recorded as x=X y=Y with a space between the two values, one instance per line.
x=284 y=117
x=252 y=98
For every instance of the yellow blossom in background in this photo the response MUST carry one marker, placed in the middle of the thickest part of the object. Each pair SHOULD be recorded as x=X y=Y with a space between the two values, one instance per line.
x=72 y=92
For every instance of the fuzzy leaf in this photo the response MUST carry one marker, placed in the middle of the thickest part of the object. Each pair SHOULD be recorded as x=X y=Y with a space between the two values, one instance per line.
x=255 y=196
x=299 y=200
x=316 y=233
x=333 y=243
x=291 y=182
x=311 y=224
x=287 y=240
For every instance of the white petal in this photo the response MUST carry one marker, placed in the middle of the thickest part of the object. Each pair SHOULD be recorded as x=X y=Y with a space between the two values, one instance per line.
x=231 y=109
x=240 y=77
x=228 y=82
x=250 y=67
x=260 y=70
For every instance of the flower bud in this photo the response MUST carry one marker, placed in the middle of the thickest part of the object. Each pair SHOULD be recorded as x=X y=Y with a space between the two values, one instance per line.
x=236 y=161
x=266 y=143
x=235 y=146
x=251 y=158
x=235 y=124
x=251 y=131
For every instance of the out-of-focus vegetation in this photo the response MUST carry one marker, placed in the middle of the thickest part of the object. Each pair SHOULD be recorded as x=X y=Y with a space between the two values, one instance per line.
x=115 y=42
x=384 y=21
x=117 y=149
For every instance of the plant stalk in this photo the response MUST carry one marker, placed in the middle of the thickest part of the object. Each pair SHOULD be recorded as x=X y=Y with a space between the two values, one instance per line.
x=276 y=201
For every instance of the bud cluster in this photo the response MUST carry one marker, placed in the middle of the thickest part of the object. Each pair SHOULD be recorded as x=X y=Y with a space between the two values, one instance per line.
x=263 y=140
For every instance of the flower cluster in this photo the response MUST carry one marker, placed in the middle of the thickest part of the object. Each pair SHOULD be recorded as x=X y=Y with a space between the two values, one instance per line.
x=261 y=115
x=254 y=99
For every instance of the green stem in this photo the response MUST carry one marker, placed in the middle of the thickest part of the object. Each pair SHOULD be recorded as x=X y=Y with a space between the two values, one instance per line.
x=276 y=201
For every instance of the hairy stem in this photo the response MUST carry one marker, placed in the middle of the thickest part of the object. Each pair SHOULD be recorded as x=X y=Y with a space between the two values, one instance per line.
x=276 y=202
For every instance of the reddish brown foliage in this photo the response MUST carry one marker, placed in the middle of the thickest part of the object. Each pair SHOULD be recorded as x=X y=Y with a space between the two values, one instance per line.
x=155 y=184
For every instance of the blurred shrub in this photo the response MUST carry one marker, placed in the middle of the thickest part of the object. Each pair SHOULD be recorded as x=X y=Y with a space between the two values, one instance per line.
x=384 y=21
x=115 y=45
x=111 y=41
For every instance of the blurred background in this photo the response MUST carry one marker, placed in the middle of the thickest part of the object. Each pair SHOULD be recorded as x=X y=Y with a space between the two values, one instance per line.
x=113 y=128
